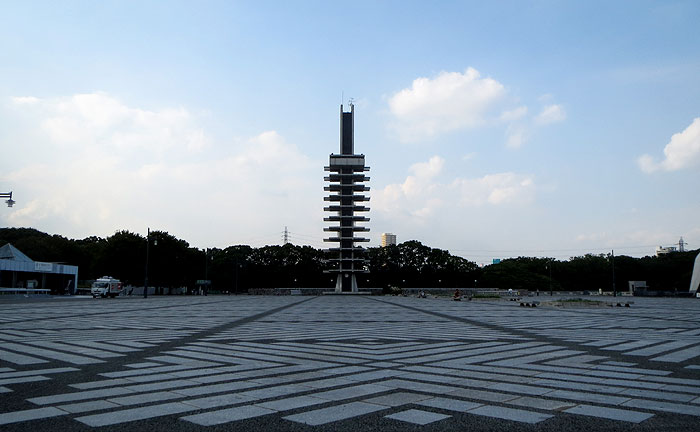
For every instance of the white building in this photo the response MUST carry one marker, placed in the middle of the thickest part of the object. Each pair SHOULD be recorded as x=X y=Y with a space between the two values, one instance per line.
x=388 y=239
x=660 y=250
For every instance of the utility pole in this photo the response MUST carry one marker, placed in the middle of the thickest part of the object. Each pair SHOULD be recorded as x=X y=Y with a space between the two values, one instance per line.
x=613 y=272
x=145 y=282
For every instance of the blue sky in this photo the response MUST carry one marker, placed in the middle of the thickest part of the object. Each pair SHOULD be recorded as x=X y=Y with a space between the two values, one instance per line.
x=492 y=129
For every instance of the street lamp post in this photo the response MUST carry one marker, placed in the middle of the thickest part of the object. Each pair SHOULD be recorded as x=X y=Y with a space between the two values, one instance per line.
x=10 y=202
x=145 y=281
x=235 y=277
x=205 y=289
x=612 y=255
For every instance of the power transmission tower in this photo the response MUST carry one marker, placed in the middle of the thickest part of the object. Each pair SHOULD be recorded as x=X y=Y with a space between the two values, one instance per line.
x=681 y=245
x=286 y=235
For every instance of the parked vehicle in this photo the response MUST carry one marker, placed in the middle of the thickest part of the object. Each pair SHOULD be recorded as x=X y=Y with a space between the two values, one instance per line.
x=106 y=286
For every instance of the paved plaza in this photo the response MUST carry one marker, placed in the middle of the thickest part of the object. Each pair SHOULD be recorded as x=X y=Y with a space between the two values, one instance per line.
x=350 y=363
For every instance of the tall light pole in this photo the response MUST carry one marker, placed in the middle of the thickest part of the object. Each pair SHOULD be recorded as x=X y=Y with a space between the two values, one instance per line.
x=10 y=202
x=612 y=255
x=145 y=282
x=551 y=292
x=148 y=244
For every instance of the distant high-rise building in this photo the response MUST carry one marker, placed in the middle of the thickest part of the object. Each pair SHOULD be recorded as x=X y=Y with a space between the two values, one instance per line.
x=388 y=239
x=346 y=178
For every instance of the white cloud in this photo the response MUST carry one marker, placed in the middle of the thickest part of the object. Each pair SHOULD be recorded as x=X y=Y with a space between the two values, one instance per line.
x=683 y=151
x=24 y=100
x=105 y=166
x=450 y=101
x=430 y=169
x=625 y=242
x=420 y=196
x=101 y=121
x=516 y=136
x=514 y=114
x=495 y=189
x=551 y=114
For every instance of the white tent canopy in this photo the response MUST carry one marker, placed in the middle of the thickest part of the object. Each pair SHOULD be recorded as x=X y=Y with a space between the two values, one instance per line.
x=695 y=280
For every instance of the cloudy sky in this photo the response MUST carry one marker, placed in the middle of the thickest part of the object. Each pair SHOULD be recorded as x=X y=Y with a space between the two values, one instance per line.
x=492 y=129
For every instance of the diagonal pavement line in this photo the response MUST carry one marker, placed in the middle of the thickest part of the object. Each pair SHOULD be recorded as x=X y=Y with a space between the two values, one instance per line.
x=97 y=369
x=536 y=334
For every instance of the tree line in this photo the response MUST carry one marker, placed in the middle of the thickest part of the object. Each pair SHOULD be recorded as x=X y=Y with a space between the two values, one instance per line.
x=174 y=263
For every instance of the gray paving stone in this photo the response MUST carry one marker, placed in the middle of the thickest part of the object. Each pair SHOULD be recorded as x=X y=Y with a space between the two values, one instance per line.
x=20 y=359
x=9 y=373
x=582 y=361
x=145 y=398
x=681 y=388
x=619 y=363
x=418 y=386
x=629 y=345
x=51 y=354
x=329 y=382
x=510 y=414
x=519 y=388
x=273 y=392
x=161 y=385
x=679 y=356
x=214 y=388
x=355 y=391
x=449 y=404
x=663 y=406
x=26 y=379
x=539 y=403
x=228 y=415
x=665 y=395
x=133 y=414
x=334 y=413
x=82 y=395
x=610 y=413
x=292 y=403
x=397 y=399
x=588 y=397
x=218 y=401
x=373 y=375
x=417 y=416
x=483 y=395
x=102 y=383
x=32 y=414
x=82 y=407
x=142 y=365
x=575 y=385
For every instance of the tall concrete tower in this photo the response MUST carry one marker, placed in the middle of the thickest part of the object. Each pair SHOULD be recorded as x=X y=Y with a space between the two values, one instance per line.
x=346 y=178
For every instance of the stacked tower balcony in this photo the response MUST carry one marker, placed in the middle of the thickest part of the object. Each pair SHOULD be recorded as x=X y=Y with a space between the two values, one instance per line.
x=346 y=183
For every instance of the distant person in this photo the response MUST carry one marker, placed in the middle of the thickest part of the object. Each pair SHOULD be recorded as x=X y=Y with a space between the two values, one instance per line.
x=457 y=296
x=421 y=294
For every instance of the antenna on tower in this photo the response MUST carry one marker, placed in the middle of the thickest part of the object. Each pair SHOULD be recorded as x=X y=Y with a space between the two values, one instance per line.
x=681 y=245
x=286 y=235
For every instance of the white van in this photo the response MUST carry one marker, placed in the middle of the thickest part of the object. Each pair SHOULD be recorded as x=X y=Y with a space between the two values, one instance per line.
x=106 y=286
